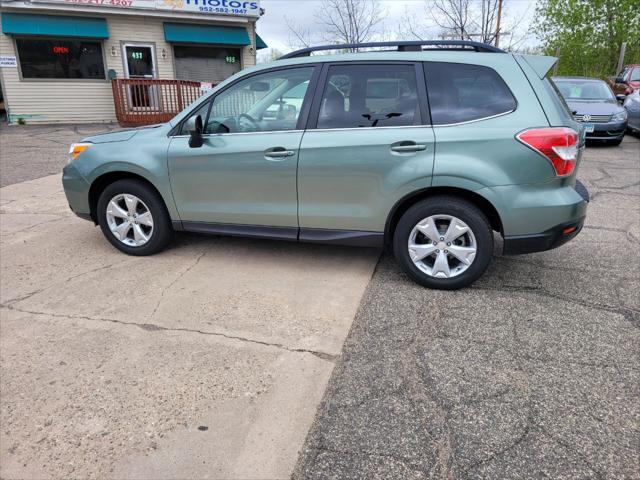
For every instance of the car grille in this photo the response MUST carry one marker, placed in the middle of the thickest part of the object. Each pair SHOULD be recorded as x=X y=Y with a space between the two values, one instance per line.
x=594 y=118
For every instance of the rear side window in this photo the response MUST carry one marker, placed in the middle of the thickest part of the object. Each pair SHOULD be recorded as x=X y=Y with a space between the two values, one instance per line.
x=369 y=96
x=461 y=93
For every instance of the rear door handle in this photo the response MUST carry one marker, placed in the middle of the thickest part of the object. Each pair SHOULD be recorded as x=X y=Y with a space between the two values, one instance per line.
x=407 y=147
x=278 y=152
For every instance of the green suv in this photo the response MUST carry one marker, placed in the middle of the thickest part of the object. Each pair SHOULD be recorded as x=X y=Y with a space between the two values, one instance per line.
x=428 y=149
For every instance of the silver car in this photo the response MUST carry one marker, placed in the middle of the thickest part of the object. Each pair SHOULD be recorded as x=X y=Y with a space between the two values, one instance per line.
x=632 y=104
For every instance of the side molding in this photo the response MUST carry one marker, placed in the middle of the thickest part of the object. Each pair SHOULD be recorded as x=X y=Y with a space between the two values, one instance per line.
x=342 y=237
x=303 y=235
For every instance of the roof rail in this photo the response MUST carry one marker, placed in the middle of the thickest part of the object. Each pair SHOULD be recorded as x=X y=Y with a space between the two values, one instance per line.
x=403 y=46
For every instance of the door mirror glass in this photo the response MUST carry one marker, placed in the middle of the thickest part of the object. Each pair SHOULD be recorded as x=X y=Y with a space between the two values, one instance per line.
x=194 y=127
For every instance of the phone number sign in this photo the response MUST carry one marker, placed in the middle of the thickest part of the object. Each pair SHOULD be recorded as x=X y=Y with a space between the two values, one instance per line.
x=244 y=8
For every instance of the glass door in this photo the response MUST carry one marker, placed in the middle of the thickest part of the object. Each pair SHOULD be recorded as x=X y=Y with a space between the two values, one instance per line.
x=140 y=63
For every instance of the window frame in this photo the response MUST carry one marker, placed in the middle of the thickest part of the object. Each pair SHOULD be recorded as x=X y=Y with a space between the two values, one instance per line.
x=210 y=45
x=302 y=118
x=422 y=119
x=61 y=80
x=425 y=64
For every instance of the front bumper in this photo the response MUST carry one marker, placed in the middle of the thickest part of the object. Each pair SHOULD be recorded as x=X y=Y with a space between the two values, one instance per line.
x=549 y=239
x=76 y=188
x=607 y=131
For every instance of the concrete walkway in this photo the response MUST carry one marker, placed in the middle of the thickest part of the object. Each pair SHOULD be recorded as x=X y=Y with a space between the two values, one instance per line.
x=206 y=361
x=531 y=373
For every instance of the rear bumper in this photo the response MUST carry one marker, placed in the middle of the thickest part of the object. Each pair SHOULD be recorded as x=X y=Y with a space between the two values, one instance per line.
x=549 y=239
x=552 y=238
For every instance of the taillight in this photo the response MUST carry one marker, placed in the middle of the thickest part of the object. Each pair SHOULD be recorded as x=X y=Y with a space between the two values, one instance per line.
x=558 y=144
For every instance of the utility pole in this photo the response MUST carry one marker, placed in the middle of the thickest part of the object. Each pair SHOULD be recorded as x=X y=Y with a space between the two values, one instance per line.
x=623 y=47
x=498 y=23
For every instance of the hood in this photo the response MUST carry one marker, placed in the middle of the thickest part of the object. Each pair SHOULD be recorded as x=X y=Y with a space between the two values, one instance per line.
x=594 y=107
x=118 y=135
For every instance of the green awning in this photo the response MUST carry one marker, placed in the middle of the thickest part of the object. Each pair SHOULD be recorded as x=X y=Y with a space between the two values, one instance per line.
x=260 y=44
x=193 y=33
x=53 y=25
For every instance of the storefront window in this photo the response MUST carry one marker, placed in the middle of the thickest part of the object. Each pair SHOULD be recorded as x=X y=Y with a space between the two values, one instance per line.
x=206 y=64
x=50 y=58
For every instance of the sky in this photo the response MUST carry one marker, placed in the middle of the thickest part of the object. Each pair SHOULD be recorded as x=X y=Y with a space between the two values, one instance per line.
x=272 y=27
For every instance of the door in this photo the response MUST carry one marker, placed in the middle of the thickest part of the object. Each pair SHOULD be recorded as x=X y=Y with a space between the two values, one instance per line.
x=140 y=62
x=365 y=148
x=245 y=172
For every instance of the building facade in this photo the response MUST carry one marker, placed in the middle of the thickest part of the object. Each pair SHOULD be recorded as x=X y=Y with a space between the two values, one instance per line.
x=58 y=57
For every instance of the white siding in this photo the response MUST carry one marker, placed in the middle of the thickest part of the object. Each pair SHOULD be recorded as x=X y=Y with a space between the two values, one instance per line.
x=72 y=101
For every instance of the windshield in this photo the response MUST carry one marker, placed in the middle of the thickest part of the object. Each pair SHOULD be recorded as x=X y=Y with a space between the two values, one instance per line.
x=584 y=90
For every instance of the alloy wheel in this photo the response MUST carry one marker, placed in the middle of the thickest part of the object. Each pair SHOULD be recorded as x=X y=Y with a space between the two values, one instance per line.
x=442 y=246
x=129 y=220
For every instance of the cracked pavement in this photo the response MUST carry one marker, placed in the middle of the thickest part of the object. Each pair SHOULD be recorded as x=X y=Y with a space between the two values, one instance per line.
x=211 y=359
x=531 y=373
x=205 y=361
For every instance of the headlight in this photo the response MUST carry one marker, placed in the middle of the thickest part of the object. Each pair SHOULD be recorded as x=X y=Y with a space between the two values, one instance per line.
x=619 y=117
x=76 y=149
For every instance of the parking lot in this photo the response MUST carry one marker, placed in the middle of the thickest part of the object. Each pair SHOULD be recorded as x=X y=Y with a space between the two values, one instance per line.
x=235 y=358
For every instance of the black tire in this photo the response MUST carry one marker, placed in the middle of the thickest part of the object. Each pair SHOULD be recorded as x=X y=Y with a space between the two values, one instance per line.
x=455 y=207
x=162 y=232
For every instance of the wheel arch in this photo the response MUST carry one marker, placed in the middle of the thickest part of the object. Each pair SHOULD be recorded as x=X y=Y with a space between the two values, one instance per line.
x=104 y=180
x=408 y=200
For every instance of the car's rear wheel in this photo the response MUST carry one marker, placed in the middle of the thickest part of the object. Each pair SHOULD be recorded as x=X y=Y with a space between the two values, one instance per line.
x=133 y=218
x=443 y=242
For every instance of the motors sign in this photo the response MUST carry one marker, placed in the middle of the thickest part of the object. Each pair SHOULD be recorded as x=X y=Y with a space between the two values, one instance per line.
x=241 y=8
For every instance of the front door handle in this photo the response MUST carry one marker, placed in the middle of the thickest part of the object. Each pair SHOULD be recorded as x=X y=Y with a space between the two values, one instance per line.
x=408 y=147
x=278 y=152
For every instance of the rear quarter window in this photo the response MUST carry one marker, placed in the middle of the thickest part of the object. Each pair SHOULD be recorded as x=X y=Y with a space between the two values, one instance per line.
x=461 y=93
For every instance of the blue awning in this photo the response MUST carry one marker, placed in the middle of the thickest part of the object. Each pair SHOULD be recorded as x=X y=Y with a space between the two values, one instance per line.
x=53 y=25
x=260 y=44
x=192 y=33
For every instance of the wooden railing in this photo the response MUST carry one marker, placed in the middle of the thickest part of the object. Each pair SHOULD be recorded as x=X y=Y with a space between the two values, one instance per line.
x=141 y=101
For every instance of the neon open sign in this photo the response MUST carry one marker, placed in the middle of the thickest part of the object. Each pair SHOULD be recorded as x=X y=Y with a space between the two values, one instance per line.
x=60 y=50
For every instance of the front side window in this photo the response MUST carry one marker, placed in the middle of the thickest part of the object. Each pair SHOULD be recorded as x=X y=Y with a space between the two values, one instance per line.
x=266 y=102
x=635 y=75
x=60 y=59
x=461 y=92
x=369 y=96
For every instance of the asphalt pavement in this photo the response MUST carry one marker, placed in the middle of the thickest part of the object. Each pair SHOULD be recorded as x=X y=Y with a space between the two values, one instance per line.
x=28 y=152
x=531 y=373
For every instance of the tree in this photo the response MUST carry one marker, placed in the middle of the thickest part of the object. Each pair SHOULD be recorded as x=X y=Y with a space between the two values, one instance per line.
x=268 y=55
x=588 y=34
x=341 y=21
x=475 y=20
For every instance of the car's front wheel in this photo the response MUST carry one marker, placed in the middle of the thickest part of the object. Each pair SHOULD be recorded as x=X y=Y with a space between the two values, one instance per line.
x=443 y=242
x=133 y=218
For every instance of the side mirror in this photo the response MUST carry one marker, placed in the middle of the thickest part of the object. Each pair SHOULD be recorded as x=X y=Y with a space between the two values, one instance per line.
x=194 y=126
x=621 y=97
x=619 y=79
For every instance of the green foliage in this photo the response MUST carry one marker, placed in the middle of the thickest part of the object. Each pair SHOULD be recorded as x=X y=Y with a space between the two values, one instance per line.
x=588 y=34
